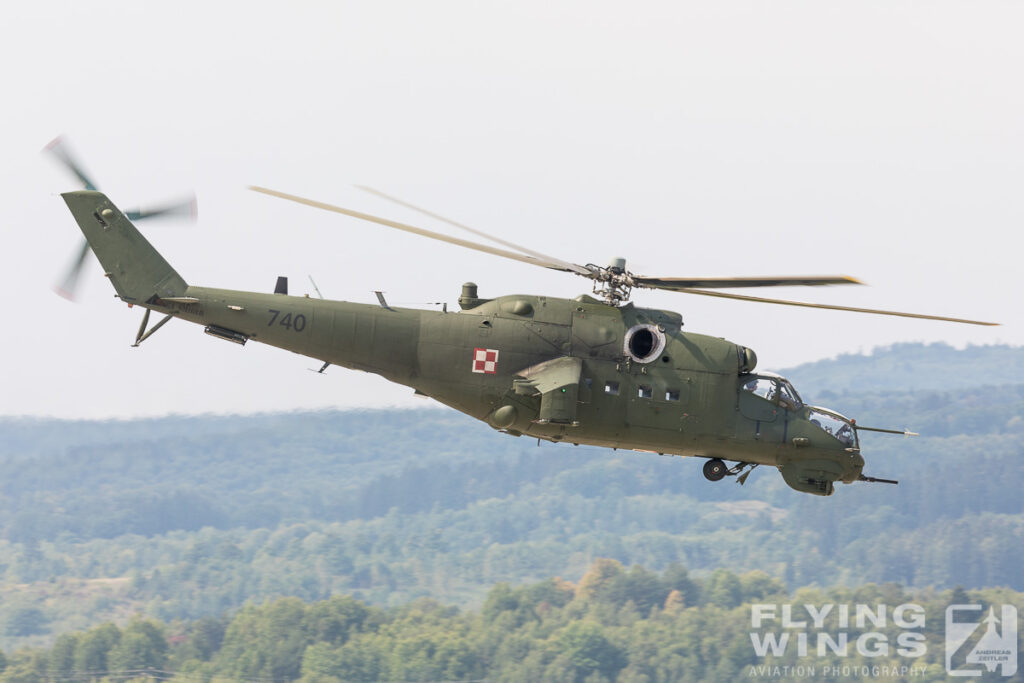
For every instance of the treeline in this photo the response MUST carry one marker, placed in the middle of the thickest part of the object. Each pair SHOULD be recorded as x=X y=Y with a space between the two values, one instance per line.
x=190 y=517
x=912 y=367
x=455 y=554
x=614 y=624
x=333 y=467
x=88 y=480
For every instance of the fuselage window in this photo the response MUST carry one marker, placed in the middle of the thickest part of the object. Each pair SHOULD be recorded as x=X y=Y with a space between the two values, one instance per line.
x=644 y=392
x=671 y=394
x=611 y=388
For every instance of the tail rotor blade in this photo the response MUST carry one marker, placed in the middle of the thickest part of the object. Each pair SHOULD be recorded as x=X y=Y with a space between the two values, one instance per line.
x=59 y=149
x=186 y=208
x=69 y=284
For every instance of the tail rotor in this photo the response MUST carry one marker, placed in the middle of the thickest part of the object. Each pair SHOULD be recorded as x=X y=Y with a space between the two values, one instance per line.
x=186 y=207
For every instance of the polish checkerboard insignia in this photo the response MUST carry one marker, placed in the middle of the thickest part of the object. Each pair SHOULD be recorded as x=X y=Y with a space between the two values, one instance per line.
x=485 y=361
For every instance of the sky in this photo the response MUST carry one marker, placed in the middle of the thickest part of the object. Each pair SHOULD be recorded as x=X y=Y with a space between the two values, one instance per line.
x=882 y=140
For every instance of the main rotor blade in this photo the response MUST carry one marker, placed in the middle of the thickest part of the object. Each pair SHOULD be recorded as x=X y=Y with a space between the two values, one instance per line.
x=572 y=267
x=409 y=228
x=852 y=309
x=682 y=283
x=59 y=149
x=69 y=284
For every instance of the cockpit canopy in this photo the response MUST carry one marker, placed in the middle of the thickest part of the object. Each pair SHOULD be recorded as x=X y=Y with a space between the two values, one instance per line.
x=779 y=391
x=775 y=389
x=833 y=424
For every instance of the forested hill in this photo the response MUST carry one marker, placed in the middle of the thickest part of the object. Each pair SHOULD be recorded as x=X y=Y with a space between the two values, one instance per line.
x=193 y=516
x=614 y=624
x=909 y=368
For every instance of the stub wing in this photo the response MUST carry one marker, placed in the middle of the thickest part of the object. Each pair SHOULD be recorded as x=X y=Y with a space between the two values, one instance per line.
x=557 y=382
x=551 y=375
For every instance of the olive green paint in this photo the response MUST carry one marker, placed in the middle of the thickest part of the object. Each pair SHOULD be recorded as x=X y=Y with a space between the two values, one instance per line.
x=563 y=371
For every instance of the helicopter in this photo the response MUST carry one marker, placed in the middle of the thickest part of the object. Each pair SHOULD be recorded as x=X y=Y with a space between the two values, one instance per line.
x=593 y=370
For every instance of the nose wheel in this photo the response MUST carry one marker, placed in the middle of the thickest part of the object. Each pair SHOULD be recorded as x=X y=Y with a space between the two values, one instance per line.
x=715 y=470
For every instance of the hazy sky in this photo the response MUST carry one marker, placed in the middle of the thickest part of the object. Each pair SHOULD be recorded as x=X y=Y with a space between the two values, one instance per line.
x=883 y=140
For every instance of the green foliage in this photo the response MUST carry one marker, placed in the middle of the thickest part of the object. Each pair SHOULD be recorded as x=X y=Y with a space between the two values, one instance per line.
x=193 y=518
x=93 y=647
x=25 y=621
x=567 y=635
x=724 y=589
x=206 y=636
x=21 y=670
x=265 y=642
x=584 y=646
x=142 y=646
x=599 y=579
x=61 y=659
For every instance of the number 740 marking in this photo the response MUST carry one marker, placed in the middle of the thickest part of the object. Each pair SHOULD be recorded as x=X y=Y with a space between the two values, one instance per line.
x=288 y=321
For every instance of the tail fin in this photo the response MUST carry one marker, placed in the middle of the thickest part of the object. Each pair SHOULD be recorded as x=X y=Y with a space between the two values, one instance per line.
x=134 y=267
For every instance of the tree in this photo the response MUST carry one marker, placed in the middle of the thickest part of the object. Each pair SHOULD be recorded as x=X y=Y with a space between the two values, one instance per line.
x=724 y=589
x=676 y=578
x=675 y=602
x=62 y=655
x=500 y=599
x=206 y=637
x=142 y=646
x=959 y=597
x=334 y=620
x=360 y=659
x=21 y=671
x=757 y=585
x=598 y=578
x=588 y=651
x=266 y=641
x=645 y=589
x=93 y=647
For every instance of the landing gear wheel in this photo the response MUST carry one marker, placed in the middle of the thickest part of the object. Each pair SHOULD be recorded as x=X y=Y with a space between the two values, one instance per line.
x=715 y=469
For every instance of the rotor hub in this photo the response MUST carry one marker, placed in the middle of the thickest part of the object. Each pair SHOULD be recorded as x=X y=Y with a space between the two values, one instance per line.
x=612 y=283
